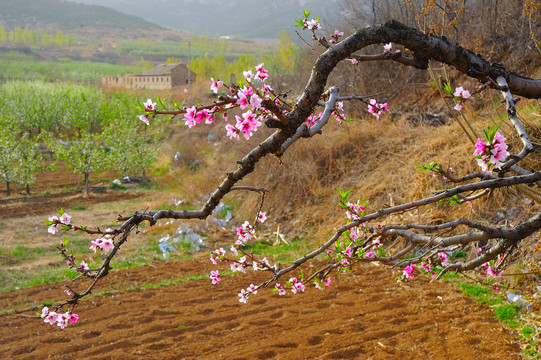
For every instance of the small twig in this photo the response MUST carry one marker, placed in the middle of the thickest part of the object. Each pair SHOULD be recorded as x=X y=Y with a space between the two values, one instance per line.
x=307 y=44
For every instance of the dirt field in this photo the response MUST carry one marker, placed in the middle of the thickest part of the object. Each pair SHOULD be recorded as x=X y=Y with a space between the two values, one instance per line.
x=356 y=318
x=58 y=189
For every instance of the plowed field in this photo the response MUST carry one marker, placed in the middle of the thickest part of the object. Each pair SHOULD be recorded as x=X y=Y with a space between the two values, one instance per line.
x=357 y=317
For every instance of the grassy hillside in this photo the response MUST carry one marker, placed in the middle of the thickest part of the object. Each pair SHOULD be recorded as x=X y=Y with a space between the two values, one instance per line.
x=65 y=15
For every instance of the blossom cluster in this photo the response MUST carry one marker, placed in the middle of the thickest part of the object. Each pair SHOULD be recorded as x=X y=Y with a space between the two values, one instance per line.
x=104 y=243
x=492 y=153
x=407 y=273
x=215 y=277
x=297 y=286
x=354 y=211
x=244 y=233
x=312 y=24
x=243 y=260
x=335 y=36
x=244 y=294
x=249 y=98
x=150 y=107
x=460 y=96
x=443 y=258
x=312 y=119
x=338 y=112
x=493 y=272
x=492 y=267
x=279 y=289
x=53 y=224
x=61 y=320
x=70 y=261
x=194 y=117
x=326 y=283
x=426 y=267
x=376 y=108
x=217 y=255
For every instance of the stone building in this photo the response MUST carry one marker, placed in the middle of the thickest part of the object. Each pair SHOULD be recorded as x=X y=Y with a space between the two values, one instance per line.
x=160 y=77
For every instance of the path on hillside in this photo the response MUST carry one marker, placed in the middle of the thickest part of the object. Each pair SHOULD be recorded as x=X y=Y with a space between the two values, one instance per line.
x=356 y=318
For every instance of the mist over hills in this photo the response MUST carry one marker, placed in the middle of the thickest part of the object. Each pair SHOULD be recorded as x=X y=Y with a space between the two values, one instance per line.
x=247 y=18
x=66 y=16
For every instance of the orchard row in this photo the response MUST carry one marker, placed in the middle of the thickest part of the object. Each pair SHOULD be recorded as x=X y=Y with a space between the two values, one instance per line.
x=42 y=123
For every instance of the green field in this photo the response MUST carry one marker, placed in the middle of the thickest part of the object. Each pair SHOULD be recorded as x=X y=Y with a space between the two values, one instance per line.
x=75 y=71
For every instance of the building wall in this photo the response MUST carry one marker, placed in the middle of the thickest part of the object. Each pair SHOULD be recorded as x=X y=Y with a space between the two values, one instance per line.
x=177 y=77
x=158 y=82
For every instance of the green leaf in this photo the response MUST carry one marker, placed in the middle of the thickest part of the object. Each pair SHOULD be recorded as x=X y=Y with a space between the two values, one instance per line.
x=160 y=101
x=139 y=106
x=344 y=194
x=447 y=88
x=65 y=242
x=306 y=13
x=60 y=211
x=428 y=166
x=349 y=120
x=491 y=132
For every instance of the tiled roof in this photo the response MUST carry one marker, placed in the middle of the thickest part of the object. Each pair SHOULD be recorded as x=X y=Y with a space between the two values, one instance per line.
x=161 y=69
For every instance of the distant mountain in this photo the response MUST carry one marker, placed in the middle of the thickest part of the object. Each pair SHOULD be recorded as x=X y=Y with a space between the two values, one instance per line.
x=248 y=18
x=67 y=16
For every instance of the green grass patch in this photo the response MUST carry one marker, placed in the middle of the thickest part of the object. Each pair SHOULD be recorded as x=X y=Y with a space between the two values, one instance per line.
x=280 y=252
x=78 y=71
x=508 y=314
x=450 y=275
x=481 y=293
x=527 y=331
x=146 y=185
x=530 y=350
x=14 y=279
x=118 y=187
x=20 y=252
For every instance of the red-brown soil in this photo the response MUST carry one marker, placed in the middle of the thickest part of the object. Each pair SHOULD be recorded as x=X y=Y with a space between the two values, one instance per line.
x=357 y=317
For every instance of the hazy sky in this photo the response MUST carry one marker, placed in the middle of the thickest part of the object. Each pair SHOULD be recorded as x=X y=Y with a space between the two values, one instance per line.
x=248 y=18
